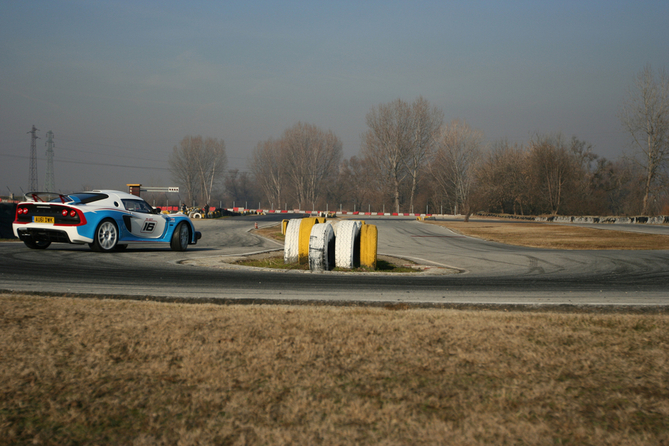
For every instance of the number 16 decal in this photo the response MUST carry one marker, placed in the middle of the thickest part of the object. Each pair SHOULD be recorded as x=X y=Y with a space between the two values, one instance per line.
x=148 y=227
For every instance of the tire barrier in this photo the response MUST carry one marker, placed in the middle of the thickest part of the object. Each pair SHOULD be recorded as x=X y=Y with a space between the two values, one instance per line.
x=658 y=220
x=303 y=244
x=291 y=244
x=321 y=247
x=347 y=245
x=369 y=239
x=284 y=224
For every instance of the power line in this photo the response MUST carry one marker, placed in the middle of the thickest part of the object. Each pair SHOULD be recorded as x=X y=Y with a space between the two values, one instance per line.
x=112 y=165
x=65 y=161
x=124 y=156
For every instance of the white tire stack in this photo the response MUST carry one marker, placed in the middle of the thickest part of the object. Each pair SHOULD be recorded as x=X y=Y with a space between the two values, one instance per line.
x=292 y=242
x=322 y=247
x=347 y=246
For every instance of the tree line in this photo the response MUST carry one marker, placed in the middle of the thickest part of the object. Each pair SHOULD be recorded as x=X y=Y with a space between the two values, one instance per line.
x=410 y=160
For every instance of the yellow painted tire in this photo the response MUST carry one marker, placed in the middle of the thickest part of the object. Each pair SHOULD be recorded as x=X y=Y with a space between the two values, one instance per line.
x=305 y=234
x=369 y=240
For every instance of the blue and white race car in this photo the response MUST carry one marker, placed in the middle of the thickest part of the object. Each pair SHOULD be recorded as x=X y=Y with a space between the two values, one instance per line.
x=107 y=220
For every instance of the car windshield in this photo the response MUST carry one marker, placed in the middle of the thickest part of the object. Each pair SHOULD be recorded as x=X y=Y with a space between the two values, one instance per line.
x=137 y=206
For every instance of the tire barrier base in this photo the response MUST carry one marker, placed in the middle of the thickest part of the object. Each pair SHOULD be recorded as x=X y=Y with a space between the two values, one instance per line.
x=321 y=248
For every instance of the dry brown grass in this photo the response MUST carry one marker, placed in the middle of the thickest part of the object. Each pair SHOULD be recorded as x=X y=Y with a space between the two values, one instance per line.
x=271 y=232
x=541 y=235
x=78 y=371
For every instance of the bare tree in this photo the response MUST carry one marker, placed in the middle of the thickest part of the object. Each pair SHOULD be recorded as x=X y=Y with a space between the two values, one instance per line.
x=582 y=196
x=183 y=166
x=239 y=187
x=312 y=158
x=385 y=145
x=399 y=141
x=425 y=124
x=455 y=162
x=213 y=162
x=553 y=170
x=645 y=116
x=502 y=178
x=304 y=161
x=355 y=185
x=268 y=168
x=198 y=165
x=617 y=186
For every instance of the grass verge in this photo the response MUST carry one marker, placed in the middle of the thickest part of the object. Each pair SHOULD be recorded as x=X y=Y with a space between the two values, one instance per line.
x=77 y=371
x=551 y=236
x=271 y=232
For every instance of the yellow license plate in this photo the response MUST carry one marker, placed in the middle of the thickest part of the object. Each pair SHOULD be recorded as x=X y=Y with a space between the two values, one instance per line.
x=43 y=219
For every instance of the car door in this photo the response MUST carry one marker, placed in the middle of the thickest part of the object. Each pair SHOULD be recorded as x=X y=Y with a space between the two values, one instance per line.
x=141 y=221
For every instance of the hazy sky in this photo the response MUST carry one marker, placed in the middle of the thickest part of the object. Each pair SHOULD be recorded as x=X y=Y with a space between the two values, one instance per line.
x=120 y=83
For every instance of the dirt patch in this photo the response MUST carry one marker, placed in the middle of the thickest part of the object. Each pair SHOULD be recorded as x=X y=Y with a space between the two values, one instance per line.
x=273 y=254
x=552 y=236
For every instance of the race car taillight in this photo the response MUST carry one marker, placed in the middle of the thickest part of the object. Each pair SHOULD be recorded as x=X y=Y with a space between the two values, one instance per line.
x=70 y=217
x=21 y=214
x=50 y=214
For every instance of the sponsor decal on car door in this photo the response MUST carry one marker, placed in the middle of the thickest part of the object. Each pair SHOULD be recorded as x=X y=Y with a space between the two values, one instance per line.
x=143 y=222
x=147 y=225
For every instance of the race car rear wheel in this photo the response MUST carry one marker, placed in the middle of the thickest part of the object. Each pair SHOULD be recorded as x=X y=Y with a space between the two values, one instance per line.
x=37 y=244
x=180 y=237
x=106 y=236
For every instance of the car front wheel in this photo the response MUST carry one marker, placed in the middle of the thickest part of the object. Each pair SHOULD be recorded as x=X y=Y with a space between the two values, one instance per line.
x=180 y=237
x=106 y=236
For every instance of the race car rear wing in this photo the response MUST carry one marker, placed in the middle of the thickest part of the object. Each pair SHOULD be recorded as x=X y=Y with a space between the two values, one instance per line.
x=45 y=196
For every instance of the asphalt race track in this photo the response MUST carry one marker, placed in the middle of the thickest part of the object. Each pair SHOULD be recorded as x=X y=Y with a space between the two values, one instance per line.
x=477 y=272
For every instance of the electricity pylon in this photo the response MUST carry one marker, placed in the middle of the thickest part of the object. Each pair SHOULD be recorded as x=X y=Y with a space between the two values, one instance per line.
x=50 y=185
x=33 y=159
